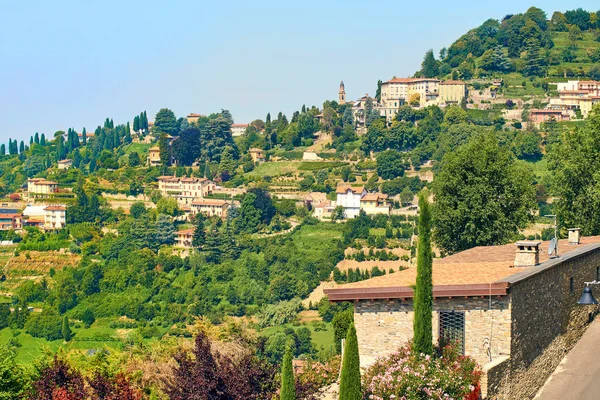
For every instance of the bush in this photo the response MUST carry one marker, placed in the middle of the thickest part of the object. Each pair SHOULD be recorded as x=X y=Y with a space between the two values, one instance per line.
x=416 y=376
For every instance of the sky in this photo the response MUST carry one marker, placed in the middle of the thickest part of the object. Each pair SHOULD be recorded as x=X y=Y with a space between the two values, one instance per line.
x=74 y=63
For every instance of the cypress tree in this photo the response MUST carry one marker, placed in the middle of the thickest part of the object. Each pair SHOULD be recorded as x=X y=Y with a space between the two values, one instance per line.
x=66 y=329
x=22 y=147
x=136 y=123
x=423 y=300
x=288 y=387
x=268 y=119
x=350 y=380
x=2 y=149
x=84 y=136
x=43 y=140
x=30 y=140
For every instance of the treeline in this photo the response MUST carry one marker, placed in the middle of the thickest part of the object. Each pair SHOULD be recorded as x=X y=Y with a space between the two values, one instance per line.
x=519 y=42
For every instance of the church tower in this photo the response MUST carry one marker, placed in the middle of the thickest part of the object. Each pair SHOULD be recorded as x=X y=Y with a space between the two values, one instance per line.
x=342 y=94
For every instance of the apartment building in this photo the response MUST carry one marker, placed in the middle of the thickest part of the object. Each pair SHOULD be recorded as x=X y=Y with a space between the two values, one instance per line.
x=185 y=190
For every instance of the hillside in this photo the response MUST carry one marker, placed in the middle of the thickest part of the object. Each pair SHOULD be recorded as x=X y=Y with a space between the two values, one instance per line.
x=523 y=45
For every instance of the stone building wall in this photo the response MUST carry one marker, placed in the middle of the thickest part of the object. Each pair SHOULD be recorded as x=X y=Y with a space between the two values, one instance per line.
x=382 y=326
x=546 y=322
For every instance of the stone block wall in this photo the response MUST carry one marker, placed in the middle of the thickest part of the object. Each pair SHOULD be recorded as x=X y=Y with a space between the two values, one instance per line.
x=382 y=326
x=546 y=323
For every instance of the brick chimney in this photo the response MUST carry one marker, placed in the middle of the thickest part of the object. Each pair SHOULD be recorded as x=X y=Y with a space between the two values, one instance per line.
x=574 y=235
x=528 y=254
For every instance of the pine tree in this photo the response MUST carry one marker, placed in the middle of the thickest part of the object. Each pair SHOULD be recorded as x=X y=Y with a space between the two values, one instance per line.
x=534 y=61
x=212 y=246
x=350 y=387
x=423 y=300
x=199 y=236
x=288 y=386
x=430 y=67
x=66 y=329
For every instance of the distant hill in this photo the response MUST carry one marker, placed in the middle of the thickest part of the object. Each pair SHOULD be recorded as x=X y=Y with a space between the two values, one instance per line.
x=526 y=45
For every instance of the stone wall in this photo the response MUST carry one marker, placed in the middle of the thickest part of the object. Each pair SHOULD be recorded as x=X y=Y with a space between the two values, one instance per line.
x=384 y=325
x=546 y=322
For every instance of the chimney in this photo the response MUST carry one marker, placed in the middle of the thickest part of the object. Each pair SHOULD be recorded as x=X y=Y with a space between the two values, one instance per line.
x=528 y=254
x=574 y=235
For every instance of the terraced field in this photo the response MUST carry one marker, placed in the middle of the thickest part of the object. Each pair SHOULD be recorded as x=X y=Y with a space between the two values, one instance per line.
x=30 y=265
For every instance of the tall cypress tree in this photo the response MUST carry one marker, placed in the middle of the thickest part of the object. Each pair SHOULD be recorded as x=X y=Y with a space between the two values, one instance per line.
x=66 y=329
x=288 y=386
x=423 y=300
x=136 y=123
x=84 y=136
x=22 y=147
x=350 y=388
x=43 y=140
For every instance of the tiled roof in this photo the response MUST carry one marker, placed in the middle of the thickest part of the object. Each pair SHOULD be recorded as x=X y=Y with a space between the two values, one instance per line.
x=186 y=232
x=55 y=208
x=344 y=188
x=239 y=125
x=216 y=202
x=255 y=150
x=67 y=161
x=373 y=197
x=479 y=265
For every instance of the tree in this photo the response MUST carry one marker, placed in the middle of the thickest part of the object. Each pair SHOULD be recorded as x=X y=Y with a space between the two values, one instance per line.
x=423 y=300
x=350 y=385
x=166 y=122
x=46 y=324
x=186 y=148
x=288 y=386
x=66 y=329
x=13 y=379
x=378 y=92
x=390 y=164
x=534 y=61
x=430 y=67
x=482 y=196
x=58 y=381
x=88 y=318
x=136 y=123
x=164 y=230
x=573 y=162
x=341 y=322
x=133 y=160
x=165 y=149
x=3 y=149
x=196 y=378
x=406 y=196
x=137 y=209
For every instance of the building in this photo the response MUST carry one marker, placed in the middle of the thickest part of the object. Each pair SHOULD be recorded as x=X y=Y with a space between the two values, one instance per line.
x=375 y=203
x=10 y=221
x=452 y=92
x=538 y=116
x=154 y=156
x=43 y=186
x=184 y=238
x=184 y=189
x=342 y=93
x=257 y=155
x=512 y=308
x=576 y=95
x=238 y=129
x=55 y=217
x=210 y=207
x=88 y=135
x=193 y=118
x=65 y=164
x=420 y=91
x=349 y=197
x=323 y=210
x=45 y=217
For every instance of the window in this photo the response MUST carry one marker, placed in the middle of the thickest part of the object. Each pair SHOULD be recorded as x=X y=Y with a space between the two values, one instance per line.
x=452 y=329
x=597 y=273
x=571 y=285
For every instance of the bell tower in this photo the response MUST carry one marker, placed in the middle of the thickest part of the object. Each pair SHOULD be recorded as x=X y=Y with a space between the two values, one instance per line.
x=342 y=94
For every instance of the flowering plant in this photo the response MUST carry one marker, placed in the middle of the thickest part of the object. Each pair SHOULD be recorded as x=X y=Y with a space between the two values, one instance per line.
x=315 y=376
x=405 y=375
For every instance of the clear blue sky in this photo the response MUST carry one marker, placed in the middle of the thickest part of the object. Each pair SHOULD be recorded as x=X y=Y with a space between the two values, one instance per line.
x=74 y=63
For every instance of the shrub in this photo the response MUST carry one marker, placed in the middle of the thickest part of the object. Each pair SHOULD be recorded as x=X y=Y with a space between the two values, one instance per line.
x=46 y=324
x=405 y=374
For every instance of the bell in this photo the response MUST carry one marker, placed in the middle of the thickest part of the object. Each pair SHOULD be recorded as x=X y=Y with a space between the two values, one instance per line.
x=587 y=298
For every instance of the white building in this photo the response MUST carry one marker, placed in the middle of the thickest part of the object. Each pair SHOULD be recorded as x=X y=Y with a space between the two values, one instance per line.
x=185 y=190
x=65 y=164
x=238 y=129
x=349 y=198
x=45 y=217
x=41 y=186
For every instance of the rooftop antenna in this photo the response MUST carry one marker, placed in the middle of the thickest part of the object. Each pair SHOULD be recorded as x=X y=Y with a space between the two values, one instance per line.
x=553 y=247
